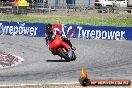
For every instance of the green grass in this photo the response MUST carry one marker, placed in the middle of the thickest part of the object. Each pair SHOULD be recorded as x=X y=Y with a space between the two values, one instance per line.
x=69 y=20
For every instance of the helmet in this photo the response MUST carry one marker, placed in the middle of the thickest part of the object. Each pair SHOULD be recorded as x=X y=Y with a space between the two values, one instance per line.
x=48 y=28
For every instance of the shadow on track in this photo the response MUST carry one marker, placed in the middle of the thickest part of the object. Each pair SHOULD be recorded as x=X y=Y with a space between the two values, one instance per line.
x=56 y=61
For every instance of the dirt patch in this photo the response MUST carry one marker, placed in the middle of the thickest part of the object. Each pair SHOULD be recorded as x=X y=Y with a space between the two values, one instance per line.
x=9 y=60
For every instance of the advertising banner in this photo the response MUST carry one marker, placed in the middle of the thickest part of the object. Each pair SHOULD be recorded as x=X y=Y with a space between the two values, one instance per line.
x=98 y=32
x=21 y=28
x=70 y=31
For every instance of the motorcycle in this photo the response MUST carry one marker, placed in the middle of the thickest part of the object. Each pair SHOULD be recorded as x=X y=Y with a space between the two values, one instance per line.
x=62 y=49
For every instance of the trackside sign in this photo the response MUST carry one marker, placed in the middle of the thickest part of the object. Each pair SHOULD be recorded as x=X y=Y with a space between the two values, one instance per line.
x=98 y=32
x=19 y=28
x=71 y=31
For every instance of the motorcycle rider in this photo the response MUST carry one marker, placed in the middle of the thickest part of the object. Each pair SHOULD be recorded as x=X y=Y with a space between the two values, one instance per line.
x=50 y=35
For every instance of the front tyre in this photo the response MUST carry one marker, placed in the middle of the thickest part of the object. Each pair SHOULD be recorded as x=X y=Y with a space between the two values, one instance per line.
x=73 y=56
x=64 y=55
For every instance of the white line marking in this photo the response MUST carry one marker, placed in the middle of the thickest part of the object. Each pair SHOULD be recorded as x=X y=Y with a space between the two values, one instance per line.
x=21 y=85
x=72 y=83
x=63 y=83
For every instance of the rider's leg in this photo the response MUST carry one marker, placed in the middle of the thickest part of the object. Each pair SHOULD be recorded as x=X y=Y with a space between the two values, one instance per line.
x=53 y=52
x=68 y=42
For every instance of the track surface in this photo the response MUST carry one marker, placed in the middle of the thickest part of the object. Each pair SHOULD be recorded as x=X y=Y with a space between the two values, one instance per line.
x=103 y=59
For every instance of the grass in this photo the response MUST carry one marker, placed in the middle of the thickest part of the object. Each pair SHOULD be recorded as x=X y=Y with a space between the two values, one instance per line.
x=69 y=20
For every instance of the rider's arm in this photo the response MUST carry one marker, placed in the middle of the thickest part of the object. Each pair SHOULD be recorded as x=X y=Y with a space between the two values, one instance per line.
x=58 y=32
x=61 y=34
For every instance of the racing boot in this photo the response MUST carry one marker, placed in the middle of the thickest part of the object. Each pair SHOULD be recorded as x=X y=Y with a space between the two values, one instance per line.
x=73 y=48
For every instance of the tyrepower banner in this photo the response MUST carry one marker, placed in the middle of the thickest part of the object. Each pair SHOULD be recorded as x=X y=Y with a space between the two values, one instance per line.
x=98 y=32
x=70 y=31
x=21 y=28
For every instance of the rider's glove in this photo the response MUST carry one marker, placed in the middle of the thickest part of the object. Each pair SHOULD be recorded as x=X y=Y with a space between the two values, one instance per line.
x=47 y=45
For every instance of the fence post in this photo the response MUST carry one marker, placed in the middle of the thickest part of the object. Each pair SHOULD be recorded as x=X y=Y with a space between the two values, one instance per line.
x=89 y=2
x=66 y=10
x=57 y=4
x=49 y=9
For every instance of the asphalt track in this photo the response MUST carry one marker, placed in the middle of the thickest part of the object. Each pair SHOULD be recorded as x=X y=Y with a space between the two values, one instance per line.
x=102 y=58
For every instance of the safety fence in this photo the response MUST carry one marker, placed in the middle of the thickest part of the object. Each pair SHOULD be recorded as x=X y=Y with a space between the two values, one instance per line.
x=79 y=9
x=68 y=30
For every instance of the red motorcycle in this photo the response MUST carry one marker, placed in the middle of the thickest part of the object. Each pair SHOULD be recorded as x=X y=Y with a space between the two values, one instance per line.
x=62 y=49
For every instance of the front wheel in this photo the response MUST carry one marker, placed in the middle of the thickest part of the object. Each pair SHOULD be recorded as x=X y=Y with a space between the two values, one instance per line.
x=73 y=56
x=64 y=54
